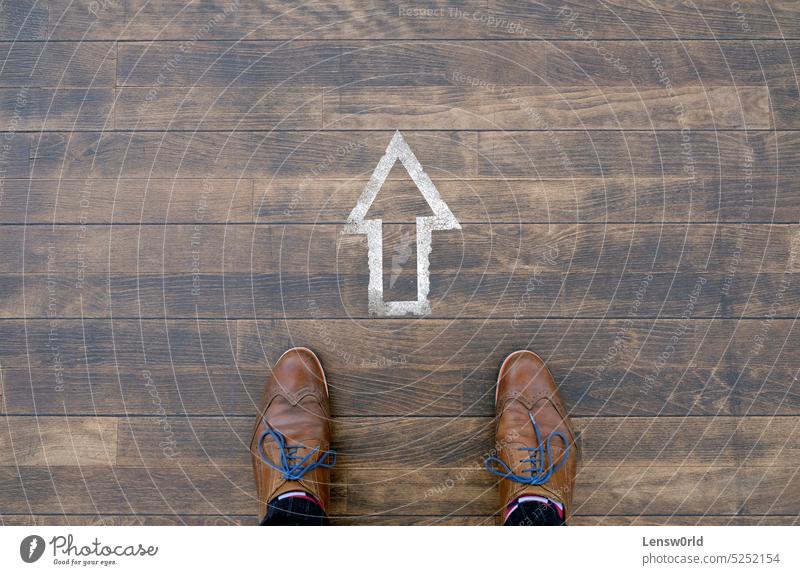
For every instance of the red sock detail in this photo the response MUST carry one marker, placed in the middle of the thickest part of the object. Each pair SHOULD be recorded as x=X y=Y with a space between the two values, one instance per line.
x=300 y=495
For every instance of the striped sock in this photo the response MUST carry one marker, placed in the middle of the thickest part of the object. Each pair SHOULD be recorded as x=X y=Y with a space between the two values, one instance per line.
x=299 y=494
x=295 y=508
x=514 y=504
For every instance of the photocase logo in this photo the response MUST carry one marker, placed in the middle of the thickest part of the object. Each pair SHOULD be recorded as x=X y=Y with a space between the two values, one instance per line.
x=31 y=548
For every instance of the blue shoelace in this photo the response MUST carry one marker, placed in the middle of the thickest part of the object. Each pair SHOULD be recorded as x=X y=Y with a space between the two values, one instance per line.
x=540 y=458
x=291 y=466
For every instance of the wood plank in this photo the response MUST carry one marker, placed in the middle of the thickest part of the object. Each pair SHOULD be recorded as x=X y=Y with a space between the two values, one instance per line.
x=188 y=271
x=70 y=252
x=448 y=520
x=785 y=104
x=702 y=342
x=466 y=353
x=464 y=442
x=502 y=249
x=57 y=64
x=352 y=154
x=758 y=448
x=15 y=158
x=228 y=64
x=223 y=491
x=161 y=20
x=671 y=64
x=238 y=155
x=433 y=368
x=478 y=248
x=452 y=62
x=735 y=294
x=26 y=19
x=69 y=344
x=454 y=351
x=733 y=197
x=568 y=63
x=279 y=108
x=60 y=441
x=127 y=201
x=602 y=154
x=599 y=490
x=608 y=390
x=384 y=519
x=546 y=107
x=38 y=109
x=126 y=520
x=99 y=489
x=191 y=389
x=226 y=20
x=714 y=19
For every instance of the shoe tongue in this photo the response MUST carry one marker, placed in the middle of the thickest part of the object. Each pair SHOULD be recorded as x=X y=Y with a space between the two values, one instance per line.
x=305 y=448
x=304 y=444
x=517 y=428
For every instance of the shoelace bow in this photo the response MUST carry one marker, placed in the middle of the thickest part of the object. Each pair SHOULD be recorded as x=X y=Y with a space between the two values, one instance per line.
x=540 y=458
x=291 y=466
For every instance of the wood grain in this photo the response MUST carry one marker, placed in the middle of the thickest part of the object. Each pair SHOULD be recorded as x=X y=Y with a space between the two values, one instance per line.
x=434 y=367
x=352 y=154
x=225 y=491
x=161 y=20
x=462 y=442
x=235 y=155
x=459 y=443
x=238 y=272
x=173 y=184
x=603 y=154
x=183 y=389
x=738 y=294
x=38 y=109
x=502 y=250
x=57 y=64
x=86 y=201
x=732 y=197
x=516 y=107
x=60 y=441
x=386 y=519
x=24 y=19
x=448 y=62
x=218 y=109
x=786 y=109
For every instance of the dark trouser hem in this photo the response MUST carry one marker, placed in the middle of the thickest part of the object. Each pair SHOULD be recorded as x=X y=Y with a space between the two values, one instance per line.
x=295 y=511
x=533 y=513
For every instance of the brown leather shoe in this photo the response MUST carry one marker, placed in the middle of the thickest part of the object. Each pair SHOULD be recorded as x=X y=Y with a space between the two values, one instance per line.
x=291 y=438
x=535 y=444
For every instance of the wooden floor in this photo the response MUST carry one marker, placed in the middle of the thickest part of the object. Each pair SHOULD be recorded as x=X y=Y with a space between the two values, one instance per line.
x=174 y=180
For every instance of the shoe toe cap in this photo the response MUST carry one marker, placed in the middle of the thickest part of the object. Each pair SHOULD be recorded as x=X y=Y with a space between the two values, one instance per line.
x=296 y=370
x=524 y=374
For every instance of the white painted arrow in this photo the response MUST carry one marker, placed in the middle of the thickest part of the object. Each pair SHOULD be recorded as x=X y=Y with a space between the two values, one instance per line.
x=443 y=219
